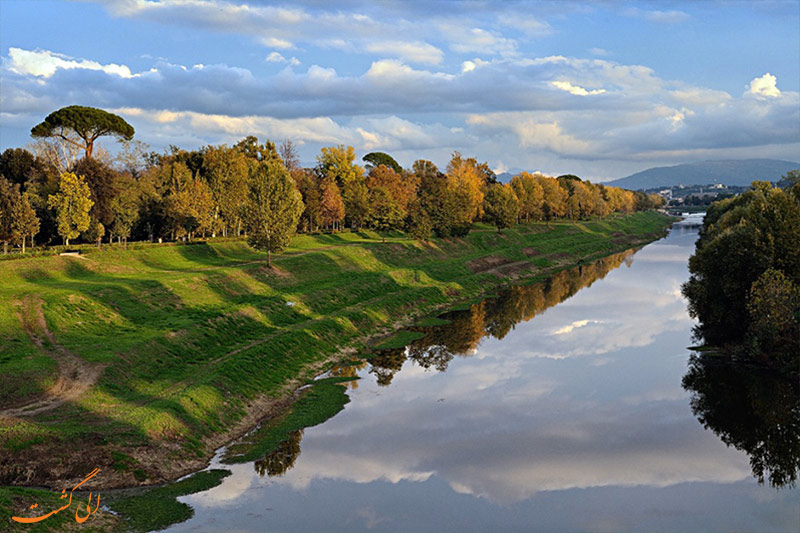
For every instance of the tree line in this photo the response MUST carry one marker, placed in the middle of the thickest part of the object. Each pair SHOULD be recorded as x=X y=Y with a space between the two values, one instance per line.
x=48 y=192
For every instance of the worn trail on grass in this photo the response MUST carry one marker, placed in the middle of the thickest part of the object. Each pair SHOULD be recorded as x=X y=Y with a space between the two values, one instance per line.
x=75 y=376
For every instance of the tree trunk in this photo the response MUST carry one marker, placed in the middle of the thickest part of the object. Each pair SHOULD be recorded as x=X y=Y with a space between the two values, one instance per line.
x=66 y=241
x=5 y=247
x=23 y=243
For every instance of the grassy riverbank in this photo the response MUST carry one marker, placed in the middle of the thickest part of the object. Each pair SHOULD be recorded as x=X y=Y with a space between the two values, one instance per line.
x=171 y=351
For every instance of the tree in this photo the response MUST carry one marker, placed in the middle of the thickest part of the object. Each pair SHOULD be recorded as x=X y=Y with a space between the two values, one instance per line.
x=88 y=123
x=94 y=232
x=741 y=238
x=226 y=171
x=273 y=209
x=72 y=204
x=403 y=188
x=376 y=159
x=463 y=176
x=385 y=213
x=338 y=163
x=331 y=207
x=24 y=221
x=554 y=203
x=8 y=192
x=501 y=206
x=773 y=304
x=125 y=208
x=104 y=182
x=291 y=160
x=309 y=187
x=530 y=195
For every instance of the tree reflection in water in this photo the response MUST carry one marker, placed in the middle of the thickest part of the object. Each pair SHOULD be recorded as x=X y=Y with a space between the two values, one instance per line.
x=493 y=317
x=753 y=408
x=282 y=458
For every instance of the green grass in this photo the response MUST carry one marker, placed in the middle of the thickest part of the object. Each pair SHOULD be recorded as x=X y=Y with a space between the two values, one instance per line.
x=320 y=402
x=157 y=508
x=193 y=334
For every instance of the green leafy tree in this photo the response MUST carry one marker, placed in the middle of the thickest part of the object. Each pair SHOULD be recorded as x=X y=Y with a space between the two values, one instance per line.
x=94 y=232
x=376 y=159
x=8 y=192
x=741 y=238
x=501 y=206
x=72 y=204
x=385 y=213
x=125 y=208
x=226 y=171
x=273 y=209
x=87 y=123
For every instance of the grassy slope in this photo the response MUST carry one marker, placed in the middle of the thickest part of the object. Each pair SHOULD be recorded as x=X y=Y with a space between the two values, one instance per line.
x=192 y=335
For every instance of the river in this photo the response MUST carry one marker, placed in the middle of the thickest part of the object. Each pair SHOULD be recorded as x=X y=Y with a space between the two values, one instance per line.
x=521 y=414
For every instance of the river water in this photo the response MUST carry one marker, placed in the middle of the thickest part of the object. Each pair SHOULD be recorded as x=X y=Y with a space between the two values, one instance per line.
x=521 y=414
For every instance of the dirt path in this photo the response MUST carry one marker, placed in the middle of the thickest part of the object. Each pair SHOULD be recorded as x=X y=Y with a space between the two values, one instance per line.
x=75 y=376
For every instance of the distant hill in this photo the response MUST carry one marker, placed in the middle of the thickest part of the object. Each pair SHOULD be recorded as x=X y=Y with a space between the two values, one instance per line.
x=728 y=172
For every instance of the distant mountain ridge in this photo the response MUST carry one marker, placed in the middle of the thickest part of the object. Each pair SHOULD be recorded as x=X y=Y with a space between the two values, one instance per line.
x=739 y=172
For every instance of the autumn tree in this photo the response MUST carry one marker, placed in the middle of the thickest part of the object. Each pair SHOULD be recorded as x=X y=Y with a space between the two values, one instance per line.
x=309 y=187
x=554 y=202
x=530 y=195
x=464 y=178
x=402 y=188
x=501 y=206
x=273 y=209
x=72 y=204
x=82 y=126
x=338 y=163
x=331 y=209
x=24 y=222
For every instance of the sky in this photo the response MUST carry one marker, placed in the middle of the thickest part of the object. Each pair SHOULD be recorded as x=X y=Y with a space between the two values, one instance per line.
x=599 y=89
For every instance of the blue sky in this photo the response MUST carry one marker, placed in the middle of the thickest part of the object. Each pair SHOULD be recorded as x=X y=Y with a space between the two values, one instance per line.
x=599 y=89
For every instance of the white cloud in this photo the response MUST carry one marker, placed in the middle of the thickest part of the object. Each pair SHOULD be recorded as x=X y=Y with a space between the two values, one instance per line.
x=470 y=40
x=277 y=57
x=765 y=86
x=414 y=52
x=574 y=89
x=600 y=52
x=44 y=63
x=657 y=16
x=528 y=25
x=666 y=17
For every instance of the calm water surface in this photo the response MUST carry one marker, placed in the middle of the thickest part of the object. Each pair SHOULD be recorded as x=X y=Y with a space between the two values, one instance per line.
x=567 y=417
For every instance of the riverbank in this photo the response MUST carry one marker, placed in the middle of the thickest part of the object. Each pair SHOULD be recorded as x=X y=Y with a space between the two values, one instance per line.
x=172 y=352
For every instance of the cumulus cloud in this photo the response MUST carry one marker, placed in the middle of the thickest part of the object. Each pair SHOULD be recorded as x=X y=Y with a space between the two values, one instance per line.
x=575 y=89
x=44 y=63
x=765 y=86
x=415 y=52
x=483 y=106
